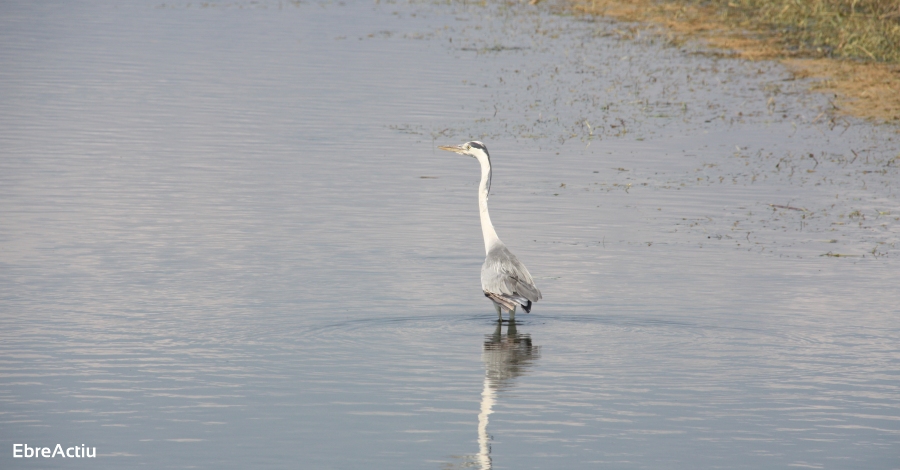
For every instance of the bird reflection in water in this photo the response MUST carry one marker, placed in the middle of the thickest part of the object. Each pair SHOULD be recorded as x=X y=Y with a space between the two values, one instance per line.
x=506 y=356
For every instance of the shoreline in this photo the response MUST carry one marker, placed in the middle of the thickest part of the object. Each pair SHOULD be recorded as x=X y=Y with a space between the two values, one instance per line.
x=866 y=90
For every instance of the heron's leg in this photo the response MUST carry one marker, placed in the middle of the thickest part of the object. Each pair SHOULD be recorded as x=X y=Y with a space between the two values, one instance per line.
x=499 y=314
x=512 y=314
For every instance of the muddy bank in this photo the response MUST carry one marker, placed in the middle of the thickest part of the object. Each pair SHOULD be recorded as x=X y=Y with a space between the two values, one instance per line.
x=869 y=90
x=741 y=152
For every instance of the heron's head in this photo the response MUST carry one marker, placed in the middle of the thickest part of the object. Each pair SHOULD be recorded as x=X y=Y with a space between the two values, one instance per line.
x=474 y=149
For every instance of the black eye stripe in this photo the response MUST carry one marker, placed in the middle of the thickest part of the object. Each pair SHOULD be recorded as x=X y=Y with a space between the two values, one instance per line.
x=477 y=145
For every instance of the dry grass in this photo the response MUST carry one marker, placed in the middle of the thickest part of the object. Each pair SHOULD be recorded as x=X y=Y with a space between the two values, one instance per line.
x=861 y=29
x=852 y=46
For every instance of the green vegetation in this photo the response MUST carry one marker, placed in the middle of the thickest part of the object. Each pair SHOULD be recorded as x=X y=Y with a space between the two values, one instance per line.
x=860 y=29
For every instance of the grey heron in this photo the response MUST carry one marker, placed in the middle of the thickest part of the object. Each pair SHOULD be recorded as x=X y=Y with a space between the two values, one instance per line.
x=504 y=279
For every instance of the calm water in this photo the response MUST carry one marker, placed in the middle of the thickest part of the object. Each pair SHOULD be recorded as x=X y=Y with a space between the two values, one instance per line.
x=227 y=241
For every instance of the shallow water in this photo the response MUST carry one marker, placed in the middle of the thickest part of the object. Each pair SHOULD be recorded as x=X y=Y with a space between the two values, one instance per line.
x=228 y=241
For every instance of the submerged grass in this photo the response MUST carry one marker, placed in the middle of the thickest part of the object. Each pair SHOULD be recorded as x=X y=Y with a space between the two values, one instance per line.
x=853 y=46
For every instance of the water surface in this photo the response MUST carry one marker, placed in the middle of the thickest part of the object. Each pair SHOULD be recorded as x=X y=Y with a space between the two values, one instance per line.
x=228 y=241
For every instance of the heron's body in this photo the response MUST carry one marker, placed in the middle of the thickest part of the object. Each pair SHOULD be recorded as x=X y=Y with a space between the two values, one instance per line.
x=504 y=279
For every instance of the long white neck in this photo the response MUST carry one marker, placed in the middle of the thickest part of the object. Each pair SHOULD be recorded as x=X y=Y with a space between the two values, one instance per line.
x=487 y=228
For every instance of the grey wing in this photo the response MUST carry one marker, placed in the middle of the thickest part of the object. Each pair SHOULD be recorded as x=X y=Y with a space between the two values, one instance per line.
x=503 y=273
